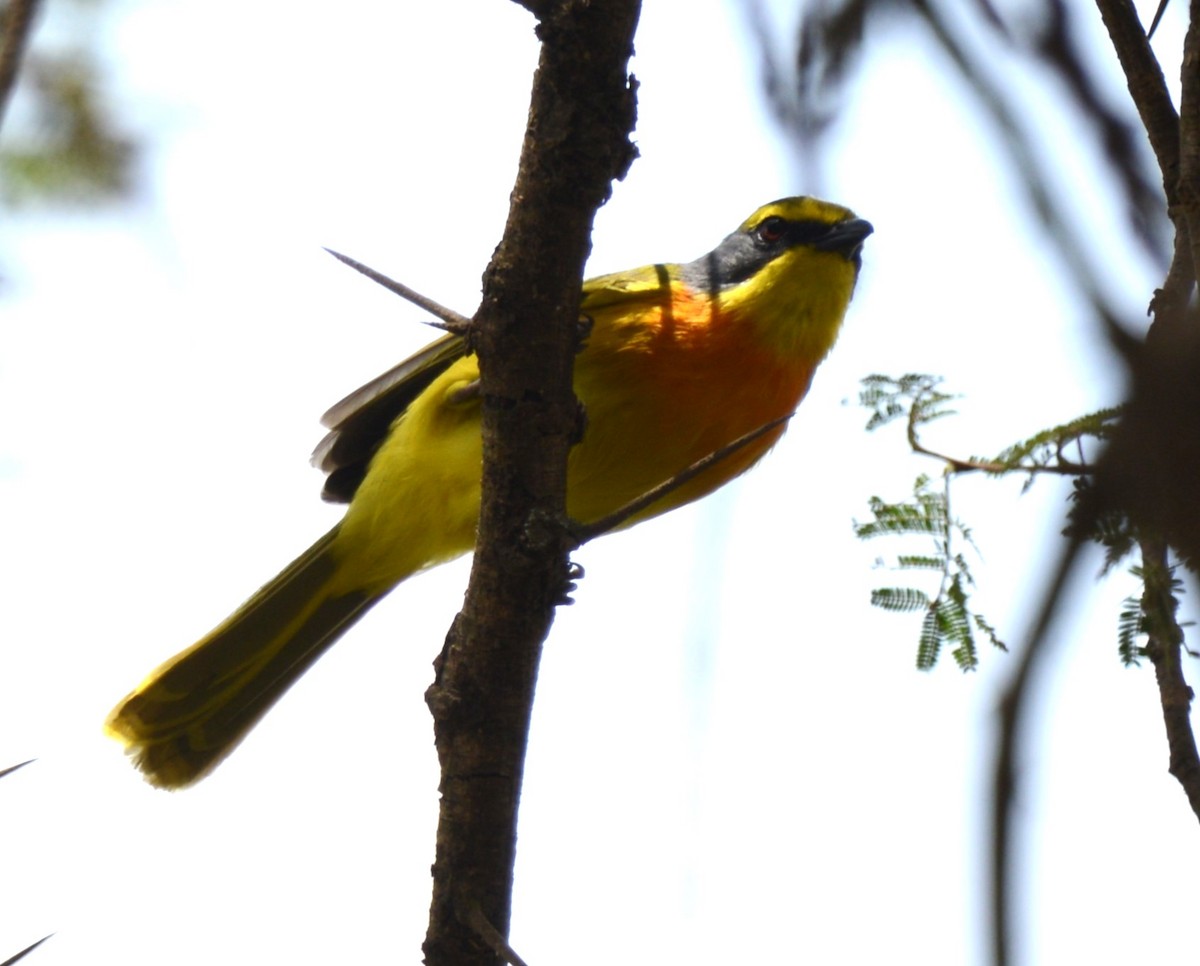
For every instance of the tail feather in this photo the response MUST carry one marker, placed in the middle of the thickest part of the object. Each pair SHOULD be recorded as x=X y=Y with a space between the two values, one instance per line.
x=193 y=710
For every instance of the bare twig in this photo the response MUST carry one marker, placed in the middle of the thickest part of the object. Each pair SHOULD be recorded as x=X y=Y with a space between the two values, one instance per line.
x=1146 y=83
x=957 y=464
x=475 y=918
x=1020 y=144
x=1189 y=138
x=1063 y=467
x=11 y=768
x=1162 y=8
x=1148 y=89
x=451 y=321
x=14 y=38
x=24 y=952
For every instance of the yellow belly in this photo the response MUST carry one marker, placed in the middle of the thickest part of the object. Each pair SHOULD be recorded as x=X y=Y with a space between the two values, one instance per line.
x=654 y=406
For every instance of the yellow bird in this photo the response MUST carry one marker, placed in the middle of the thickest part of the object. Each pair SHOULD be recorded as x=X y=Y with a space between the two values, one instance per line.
x=680 y=361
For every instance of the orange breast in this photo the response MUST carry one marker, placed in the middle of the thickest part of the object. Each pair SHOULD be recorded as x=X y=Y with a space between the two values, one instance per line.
x=666 y=388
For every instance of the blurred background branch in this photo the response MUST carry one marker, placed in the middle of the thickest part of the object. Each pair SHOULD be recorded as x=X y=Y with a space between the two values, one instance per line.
x=1148 y=473
x=16 y=22
x=61 y=141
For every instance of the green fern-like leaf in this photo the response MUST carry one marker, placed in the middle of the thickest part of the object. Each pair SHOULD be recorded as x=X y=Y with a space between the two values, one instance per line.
x=1063 y=450
x=963 y=569
x=899 y=599
x=1112 y=529
x=1130 y=627
x=931 y=405
x=926 y=516
x=956 y=623
x=989 y=632
x=966 y=655
x=929 y=644
x=909 y=561
x=914 y=396
x=1047 y=447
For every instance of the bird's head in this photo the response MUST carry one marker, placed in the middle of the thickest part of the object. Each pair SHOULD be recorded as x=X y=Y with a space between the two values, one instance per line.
x=789 y=270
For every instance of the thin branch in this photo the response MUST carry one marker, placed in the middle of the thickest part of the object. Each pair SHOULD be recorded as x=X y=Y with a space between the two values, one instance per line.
x=475 y=918
x=1167 y=131
x=947 y=535
x=24 y=952
x=1171 y=300
x=1189 y=137
x=11 y=768
x=1162 y=8
x=958 y=465
x=16 y=28
x=1063 y=467
x=1006 y=778
x=1059 y=44
x=582 y=533
x=1164 y=648
x=1018 y=141
x=451 y=321
x=1147 y=86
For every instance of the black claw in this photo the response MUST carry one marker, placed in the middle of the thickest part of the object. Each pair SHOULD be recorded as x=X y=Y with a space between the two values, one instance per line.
x=573 y=573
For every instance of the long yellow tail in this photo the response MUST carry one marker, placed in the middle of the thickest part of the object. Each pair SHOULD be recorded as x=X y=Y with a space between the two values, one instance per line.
x=193 y=710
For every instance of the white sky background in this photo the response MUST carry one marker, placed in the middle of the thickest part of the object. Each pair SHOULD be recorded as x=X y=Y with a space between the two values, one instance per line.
x=732 y=757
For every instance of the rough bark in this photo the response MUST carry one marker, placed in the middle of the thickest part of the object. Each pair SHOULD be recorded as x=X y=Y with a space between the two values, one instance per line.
x=525 y=332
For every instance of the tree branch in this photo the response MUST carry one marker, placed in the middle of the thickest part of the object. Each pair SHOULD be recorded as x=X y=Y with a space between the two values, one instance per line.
x=1170 y=134
x=17 y=24
x=1189 y=138
x=577 y=140
x=1164 y=648
x=958 y=464
x=1150 y=469
x=1147 y=87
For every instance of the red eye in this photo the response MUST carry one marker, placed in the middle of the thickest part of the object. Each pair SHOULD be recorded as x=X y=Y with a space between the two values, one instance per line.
x=771 y=229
